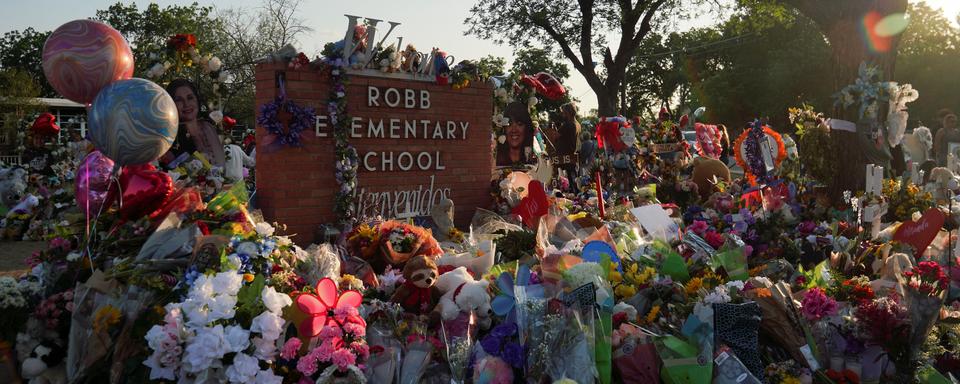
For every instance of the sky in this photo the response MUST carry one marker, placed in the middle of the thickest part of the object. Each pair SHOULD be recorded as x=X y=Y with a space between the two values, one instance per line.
x=425 y=23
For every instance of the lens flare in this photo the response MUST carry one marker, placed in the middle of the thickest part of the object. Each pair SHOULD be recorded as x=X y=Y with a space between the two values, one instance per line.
x=879 y=30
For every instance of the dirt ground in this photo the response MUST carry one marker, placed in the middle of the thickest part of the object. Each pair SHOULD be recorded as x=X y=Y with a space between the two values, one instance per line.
x=12 y=254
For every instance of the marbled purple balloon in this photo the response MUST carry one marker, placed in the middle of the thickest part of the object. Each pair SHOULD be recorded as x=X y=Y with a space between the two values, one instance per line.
x=82 y=56
x=93 y=183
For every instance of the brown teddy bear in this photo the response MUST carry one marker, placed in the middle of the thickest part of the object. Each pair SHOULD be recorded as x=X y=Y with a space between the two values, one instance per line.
x=704 y=171
x=419 y=293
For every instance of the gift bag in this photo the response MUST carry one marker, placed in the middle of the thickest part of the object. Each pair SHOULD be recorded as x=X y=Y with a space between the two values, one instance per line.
x=680 y=362
x=738 y=326
x=637 y=362
x=734 y=262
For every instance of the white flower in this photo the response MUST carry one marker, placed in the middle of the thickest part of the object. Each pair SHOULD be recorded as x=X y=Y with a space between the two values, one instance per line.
x=264 y=229
x=625 y=308
x=222 y=307
x=204 y=349
x=267 y=324
x=501 y=94
x=735 y=284
x=248 y=248
x=244 y=369
x=502 y=139
x=156 y=70
x=719 y=295
x=267 y=377
x=233 y=262
x=214 y=64
x=227 y=283
x=158 y=370
x=216 y=116
x=763 y=280
x=274 y=301
x=532 y=102
x=264 y=349
x=238 y=339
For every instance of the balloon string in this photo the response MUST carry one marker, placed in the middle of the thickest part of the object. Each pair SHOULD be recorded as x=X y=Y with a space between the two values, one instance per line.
x=90 y=234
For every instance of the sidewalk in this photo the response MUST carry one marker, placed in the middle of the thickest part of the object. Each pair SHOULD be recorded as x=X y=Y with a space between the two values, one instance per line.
x=12 y=254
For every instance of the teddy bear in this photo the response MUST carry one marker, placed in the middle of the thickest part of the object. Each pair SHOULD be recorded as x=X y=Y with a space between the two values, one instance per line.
x=940 y=181
x=461 y=293
x=13 y=185
x=12 y=226
x=389 y=60
x=410 y=61
x=706 y=171
x=418 y=294
x=237 y=159
x=45 y=365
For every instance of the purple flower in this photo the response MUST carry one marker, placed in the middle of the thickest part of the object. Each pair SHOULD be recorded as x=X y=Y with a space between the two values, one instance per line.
x=491 y=345
x=513 y=354
x=504 y=330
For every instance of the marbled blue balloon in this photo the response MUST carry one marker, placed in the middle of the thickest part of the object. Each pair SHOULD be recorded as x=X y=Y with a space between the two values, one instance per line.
x=133 y=121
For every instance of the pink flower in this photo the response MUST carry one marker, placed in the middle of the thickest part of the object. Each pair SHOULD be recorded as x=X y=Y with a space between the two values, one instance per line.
x=714 y=239
x=343 y=358
x=698 y=227
x=325 y=351
x=307 y=365
x=354 y=329
x=342 y=314
x=290 y=348
x=816 y=305
x=362 y=350
x=329 y=332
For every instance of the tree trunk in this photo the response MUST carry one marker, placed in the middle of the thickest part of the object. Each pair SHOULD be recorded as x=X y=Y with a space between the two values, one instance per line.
x=842 y=22
x=607 y=100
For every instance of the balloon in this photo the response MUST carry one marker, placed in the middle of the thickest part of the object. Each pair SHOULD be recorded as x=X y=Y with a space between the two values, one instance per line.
x=143 y=190
x=83 y=56
x=183 y=201
x=133 y=121
x=93 y=183
x=45 y=125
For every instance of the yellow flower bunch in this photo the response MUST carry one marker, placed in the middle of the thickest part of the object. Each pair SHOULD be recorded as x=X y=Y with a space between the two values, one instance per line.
x=634 y=275
x=365 y=232
x=652 y=315
x=455 y=235
x=693 y=286
x=106 y=317
x=350 y=282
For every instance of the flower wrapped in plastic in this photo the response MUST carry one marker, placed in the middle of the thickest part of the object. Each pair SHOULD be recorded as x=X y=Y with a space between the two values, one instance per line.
x=459 y=335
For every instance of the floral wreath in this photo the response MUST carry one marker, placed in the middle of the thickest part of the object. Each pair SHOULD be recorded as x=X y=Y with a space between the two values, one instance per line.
x=302 y=118
x=752 y=161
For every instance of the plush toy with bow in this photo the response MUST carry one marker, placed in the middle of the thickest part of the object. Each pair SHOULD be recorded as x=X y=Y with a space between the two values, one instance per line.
x=419 y=293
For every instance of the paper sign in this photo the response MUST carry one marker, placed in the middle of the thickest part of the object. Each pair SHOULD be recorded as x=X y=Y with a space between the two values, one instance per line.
x=657 y=222
x=842 y=125
x=874 y=179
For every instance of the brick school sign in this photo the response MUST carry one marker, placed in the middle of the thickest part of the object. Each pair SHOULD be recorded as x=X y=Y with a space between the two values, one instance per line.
x=417 y=143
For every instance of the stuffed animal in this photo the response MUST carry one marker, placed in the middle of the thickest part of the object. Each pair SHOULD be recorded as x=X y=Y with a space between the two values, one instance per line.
x=45 y=365
x=411 y=59
x=389 y=60
x=940 y=181
x=418 y=294
x=705 y=170
x=13 y=185
x=462 y=293
x=237 y=159
x=17 y=218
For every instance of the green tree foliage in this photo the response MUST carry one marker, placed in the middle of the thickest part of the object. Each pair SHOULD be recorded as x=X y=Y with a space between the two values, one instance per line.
x=928 y=59
x=19 y=99
x=23 y=50
x=529 y=61
x=578 y=30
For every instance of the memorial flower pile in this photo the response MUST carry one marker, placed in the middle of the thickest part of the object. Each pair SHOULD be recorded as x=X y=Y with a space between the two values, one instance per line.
x=657 y=268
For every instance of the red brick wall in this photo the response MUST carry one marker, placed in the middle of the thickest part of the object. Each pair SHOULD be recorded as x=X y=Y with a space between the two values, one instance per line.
x=296 y=186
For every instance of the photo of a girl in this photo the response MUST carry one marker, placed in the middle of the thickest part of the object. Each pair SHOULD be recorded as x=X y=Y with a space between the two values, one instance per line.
x=518 y=146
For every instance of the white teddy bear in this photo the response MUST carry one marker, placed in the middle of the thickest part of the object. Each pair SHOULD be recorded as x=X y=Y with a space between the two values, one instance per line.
x=462 y=293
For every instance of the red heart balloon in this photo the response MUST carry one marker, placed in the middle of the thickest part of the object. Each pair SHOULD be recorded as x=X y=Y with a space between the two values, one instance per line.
x=45 y=125
x=920 y=234
x=229 y=123
x=143 y=190
x=532 y=207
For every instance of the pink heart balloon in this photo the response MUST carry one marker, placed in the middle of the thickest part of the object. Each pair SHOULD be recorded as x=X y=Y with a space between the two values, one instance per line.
x=93 y=184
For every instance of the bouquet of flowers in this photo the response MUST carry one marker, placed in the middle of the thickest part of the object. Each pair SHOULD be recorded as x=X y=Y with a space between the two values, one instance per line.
x=926 y=286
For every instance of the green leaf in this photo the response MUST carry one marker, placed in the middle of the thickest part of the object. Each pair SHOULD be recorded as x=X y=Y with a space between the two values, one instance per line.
x=248 y=299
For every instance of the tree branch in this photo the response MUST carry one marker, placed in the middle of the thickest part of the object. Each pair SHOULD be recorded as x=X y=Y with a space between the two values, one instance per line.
x=588 y=72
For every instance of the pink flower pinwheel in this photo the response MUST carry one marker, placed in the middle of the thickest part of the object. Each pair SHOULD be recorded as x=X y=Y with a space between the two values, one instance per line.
x=322 y=307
